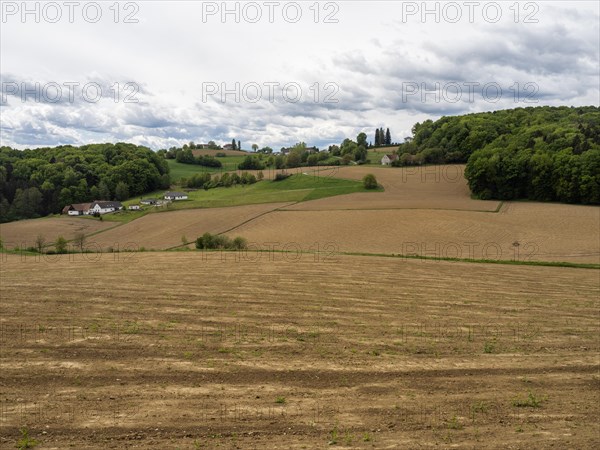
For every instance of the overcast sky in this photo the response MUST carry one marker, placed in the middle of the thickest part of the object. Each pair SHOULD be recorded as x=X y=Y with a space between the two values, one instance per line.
x=304 y=71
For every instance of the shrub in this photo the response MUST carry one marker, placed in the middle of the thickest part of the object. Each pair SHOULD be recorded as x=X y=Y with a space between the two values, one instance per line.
x=369 y=181
x=61 y=245
x=281 y=176
x=220 y=242
x=251 y=163
x=240 y=243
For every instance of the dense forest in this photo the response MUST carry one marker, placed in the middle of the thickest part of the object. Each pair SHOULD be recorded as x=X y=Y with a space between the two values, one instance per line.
x=42 y=181
x=542 y=153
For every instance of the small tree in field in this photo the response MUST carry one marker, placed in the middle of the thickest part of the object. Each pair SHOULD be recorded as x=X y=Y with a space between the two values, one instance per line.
x=369 y=181
x=61 y=245
x=79 y=240
x=40 y=241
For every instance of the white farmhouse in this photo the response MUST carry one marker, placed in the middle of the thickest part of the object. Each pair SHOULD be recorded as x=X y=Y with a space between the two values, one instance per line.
x=76 y=209
x=104 y=207
x=173 y=196
x=388 y=159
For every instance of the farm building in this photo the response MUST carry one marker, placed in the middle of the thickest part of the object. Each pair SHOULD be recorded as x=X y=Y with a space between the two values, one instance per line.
x=96 y=207
x=77 y=209
x=104 y=207
x=173 y=196
x=149 y=201
x=134 y=207
x=388 y=159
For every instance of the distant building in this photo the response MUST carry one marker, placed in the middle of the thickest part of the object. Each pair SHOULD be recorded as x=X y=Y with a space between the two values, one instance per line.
x=96 y=207
x=174 y=196
x=104 y=207
x=388 y=159
x=149 y=201
x=77 y=209
x=228 y=147
x=134 y=207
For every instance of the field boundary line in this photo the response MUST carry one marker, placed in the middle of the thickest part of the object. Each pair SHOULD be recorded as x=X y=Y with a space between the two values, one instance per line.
x=238 y=225
x=331 y=256
x=392 y=209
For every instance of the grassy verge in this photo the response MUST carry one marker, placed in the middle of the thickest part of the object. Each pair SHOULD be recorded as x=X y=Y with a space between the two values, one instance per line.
x=179 y=171
x=296 y=188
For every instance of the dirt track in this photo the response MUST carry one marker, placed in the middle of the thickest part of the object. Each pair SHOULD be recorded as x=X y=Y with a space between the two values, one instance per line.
x=192 y=350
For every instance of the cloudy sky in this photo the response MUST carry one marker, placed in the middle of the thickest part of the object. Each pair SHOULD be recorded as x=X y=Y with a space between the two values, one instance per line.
x=274 y=73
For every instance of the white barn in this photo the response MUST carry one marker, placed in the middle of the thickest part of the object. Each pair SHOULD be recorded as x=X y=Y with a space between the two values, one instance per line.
x=173 y=196
x=388 y=159
x=104 y=207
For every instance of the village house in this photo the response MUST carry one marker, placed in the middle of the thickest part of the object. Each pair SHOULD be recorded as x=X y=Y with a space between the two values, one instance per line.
x=149 y=201
x=228 y=147
x=104 y=207
x=388 y=159
x=77 y=209
x=174 y=196
x=134 y=207
x=96 y=207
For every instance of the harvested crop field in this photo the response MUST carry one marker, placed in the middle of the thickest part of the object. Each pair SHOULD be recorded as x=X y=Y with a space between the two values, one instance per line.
x=427 y=187
x=23 y=233
x=165 y=229
x=210 y=350
x=522 y=232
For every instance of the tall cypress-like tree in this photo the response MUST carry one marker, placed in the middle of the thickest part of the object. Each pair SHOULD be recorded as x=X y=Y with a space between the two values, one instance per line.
x=377 y=137
x=388 y=137
x=233 y=146
x=239 y=145
x=381 y=136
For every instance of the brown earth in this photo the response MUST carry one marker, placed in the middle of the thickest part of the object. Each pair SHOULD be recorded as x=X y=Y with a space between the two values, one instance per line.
x=193 y=350
x=431 y=187
x=23 y=233
x=165 y=230
x=520 y=231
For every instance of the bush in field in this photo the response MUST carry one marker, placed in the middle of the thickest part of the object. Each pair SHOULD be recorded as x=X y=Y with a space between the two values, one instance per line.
x=239 y=243
x=61 y=245
x=219 y=242
x=251 y=163
x=281 y=176
x=369 y=181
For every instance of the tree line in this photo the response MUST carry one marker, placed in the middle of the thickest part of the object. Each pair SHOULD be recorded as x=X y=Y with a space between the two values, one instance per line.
x=186 y=156
x=538 y=153
x=38 y=182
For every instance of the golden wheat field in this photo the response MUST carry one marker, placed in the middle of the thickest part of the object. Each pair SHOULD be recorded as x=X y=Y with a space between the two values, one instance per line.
x=211 y=350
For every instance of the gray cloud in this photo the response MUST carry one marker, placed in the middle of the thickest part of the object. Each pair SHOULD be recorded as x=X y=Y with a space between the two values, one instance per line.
x=370 y=56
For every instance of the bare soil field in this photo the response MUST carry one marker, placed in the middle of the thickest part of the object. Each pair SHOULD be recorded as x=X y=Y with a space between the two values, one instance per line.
x=24 y=232
x=522 y=232
x=430 y=187
x=208 y=350
x=165 y=229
